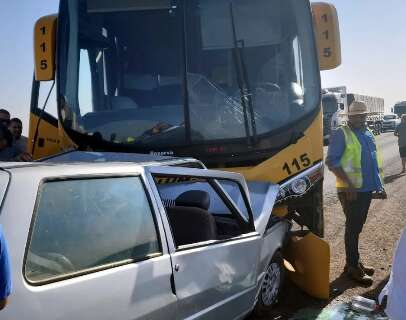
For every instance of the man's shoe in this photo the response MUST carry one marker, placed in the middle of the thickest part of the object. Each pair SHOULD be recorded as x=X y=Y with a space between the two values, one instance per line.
x=368 y=270
x=360 y=276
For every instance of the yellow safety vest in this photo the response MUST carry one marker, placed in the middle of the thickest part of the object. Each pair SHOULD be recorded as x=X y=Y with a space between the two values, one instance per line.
x=351 y=160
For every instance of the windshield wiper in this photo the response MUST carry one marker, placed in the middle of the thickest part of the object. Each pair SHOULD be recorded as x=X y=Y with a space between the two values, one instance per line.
x=243 y=83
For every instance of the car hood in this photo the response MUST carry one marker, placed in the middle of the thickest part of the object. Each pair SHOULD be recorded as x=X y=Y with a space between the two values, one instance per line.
x=263 y=196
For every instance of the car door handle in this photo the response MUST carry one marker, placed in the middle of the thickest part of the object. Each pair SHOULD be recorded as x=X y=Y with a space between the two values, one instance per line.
x=177 y=267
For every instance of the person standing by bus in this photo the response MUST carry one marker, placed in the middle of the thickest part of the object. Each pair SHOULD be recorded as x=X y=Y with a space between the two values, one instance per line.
x=354 y=159
x=16 y=129
x=400 y=132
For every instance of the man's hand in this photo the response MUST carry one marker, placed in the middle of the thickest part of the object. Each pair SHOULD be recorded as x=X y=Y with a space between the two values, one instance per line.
x=380 y=195
x=24 y=157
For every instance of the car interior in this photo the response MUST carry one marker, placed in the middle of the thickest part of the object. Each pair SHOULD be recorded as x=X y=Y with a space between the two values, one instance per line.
x=198 y=216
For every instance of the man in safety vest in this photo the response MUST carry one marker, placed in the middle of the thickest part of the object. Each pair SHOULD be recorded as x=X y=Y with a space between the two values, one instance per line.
x=354 y=159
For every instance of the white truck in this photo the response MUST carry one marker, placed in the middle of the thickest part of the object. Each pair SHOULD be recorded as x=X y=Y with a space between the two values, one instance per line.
x=335 y=107
x=334 y=101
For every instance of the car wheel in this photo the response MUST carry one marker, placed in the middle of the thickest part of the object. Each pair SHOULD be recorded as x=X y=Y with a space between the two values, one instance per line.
x=271 y=285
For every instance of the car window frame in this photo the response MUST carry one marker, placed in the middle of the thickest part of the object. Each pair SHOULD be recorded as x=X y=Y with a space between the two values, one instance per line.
x=103 y=267
x=228 y=202
x=245 y=199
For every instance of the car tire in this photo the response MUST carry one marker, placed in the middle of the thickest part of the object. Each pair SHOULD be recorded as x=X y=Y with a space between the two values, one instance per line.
x=271 y=285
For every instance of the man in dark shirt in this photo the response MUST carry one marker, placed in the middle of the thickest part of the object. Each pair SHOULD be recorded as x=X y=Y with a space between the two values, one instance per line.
x=400 y=132
x=4 y=117
x=7 y=151
x=16 y=129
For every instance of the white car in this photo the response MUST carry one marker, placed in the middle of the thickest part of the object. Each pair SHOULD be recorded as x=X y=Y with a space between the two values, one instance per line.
x=155 y=239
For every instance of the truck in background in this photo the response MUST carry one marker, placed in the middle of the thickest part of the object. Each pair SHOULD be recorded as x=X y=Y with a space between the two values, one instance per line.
x=334 y=101
x=376 y=110
x=335 y=108
x=400 y=108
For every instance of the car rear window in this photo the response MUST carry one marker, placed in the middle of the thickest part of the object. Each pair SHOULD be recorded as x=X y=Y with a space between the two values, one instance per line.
x=86 y=225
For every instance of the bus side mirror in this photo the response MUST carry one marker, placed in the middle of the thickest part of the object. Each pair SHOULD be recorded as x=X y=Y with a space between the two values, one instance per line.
x=327 y=32
x=45 y=47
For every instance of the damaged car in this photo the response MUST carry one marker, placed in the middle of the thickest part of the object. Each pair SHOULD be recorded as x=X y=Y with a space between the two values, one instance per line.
x=141 y=240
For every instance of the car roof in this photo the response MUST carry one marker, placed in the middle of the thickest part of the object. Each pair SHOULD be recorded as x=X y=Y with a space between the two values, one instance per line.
x=99 y=160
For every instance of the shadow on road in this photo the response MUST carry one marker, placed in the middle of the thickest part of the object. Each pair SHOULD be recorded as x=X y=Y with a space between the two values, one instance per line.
x=374 y=293
x=294 y=300
x=393 y=178
x=342 y=284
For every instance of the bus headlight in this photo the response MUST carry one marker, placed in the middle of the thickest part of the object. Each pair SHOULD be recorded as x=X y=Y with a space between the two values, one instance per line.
x=299 y=186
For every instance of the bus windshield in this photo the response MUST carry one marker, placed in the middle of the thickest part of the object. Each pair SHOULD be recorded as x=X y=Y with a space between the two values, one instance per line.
x=161 y=73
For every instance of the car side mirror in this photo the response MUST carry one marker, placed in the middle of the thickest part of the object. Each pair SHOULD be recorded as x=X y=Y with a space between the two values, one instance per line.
x=341 y=106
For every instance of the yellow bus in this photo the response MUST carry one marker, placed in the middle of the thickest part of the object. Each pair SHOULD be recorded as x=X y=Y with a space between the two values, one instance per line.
x=233 y=83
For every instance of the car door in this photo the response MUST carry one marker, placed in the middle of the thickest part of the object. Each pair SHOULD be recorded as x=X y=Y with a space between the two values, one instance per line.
x=95 y=252
x=215 y=278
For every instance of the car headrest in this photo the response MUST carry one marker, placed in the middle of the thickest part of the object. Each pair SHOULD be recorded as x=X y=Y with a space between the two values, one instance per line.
x=194 y=198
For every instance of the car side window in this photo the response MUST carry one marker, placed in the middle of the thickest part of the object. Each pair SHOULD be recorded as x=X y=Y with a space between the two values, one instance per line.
x=198 y=212
x=85 y=225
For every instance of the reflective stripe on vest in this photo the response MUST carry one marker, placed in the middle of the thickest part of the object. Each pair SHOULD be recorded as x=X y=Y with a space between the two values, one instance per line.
x=351 y=161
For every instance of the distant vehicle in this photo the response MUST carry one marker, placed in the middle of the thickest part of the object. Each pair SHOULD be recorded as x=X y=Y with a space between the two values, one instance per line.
x=376 y=109
x=400 y=108
x=334 y=104
x=335 y=107
x=390 y=122
x=146 y=240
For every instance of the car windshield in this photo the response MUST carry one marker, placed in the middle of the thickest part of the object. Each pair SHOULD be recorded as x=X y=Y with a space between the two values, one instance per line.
x=389 y=117
x=161 y=73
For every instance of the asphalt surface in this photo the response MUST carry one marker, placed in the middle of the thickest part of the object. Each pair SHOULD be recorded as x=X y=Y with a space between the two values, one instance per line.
x=385 y=222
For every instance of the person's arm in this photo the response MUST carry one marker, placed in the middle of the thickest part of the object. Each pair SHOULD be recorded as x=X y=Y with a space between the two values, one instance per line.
x=5 y=272
x=340 y=173
x=335 y=152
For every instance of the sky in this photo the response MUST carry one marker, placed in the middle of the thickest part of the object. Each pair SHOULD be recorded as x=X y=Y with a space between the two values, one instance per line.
x=373 y=44
x=373 y=38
